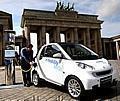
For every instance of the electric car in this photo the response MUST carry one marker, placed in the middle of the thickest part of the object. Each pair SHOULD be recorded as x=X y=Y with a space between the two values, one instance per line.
x=74 y=66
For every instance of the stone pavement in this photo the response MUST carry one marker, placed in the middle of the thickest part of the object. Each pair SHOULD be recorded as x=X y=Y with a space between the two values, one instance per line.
x=50 y=92
x=33 y=94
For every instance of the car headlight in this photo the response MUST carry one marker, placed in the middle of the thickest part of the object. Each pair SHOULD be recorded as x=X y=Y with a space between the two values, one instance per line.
x=84 y=66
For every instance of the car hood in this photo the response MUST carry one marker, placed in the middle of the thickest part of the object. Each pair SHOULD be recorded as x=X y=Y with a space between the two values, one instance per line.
x=99 y=64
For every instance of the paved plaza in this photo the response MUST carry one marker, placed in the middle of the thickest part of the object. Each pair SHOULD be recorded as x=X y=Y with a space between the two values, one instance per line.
x=50 y=92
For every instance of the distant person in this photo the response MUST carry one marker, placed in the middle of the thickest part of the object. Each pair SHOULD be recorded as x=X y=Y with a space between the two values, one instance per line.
x=26 y=59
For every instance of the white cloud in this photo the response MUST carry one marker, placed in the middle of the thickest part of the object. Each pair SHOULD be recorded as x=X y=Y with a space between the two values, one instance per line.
x=109 y=8
x=110 y=29
x=16 y=6
x=108 y=11
x=13 y=7
x=85 y=6
x=39 y=5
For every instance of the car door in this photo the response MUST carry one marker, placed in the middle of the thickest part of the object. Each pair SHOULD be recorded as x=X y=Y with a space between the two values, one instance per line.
x=52 y=66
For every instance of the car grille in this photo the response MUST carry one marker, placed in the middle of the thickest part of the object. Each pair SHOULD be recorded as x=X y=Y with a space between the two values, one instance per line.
x=106 y=81
x=101 y=73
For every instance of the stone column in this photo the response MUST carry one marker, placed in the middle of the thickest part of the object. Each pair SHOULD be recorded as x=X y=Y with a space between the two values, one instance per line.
x=84 y=37
x=104 y=50
x=43 y=35
x=56 y=34
x=117 y=50
x=110 y=50
x=27 y=33
x=71 y=31
x=39 y=38
x=75 y=35
x=96 y=39
x=51 y=36
x=1 y=46
x=67 y=36
x=88 y=37
x=99 y=43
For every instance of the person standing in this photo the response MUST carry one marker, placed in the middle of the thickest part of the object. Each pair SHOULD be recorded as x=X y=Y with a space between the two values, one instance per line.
x=26 y=59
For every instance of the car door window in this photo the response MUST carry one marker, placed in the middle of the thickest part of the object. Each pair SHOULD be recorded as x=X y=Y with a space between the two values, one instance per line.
x=48 y=51
x=51 y=50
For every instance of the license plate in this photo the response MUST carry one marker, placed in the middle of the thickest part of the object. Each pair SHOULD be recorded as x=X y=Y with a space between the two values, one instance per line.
x=106 y=81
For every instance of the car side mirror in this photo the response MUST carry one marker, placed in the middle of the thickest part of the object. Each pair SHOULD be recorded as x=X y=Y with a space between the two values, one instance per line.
x=57 y=55
x=34 y=64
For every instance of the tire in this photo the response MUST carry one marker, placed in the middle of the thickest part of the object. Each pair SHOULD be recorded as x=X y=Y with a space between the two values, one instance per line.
x=74 y=87
x=35 y=79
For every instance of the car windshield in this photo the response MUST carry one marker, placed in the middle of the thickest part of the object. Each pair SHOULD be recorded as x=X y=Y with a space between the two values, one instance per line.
x=79 y=52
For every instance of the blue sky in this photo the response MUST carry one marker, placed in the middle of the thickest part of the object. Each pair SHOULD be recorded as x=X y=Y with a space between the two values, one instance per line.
x=108 y=11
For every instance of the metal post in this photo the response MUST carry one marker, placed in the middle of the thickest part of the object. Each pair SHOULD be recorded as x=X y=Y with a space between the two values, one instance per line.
x=9 y=72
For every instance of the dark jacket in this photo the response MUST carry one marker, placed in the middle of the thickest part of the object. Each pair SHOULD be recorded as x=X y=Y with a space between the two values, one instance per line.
x=26 y=58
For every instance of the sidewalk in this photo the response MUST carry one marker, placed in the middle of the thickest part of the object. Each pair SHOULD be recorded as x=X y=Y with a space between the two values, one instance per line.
x=18 y=75
x=3 y=67
x=50 y=92
x=18 y=92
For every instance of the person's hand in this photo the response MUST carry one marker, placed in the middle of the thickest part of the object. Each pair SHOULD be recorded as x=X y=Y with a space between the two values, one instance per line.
x=31 y=63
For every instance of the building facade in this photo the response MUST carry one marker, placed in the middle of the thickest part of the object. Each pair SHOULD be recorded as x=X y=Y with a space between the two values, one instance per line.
x=77 y=28
x=116 y=40
x=5 y=24
x=109 y=48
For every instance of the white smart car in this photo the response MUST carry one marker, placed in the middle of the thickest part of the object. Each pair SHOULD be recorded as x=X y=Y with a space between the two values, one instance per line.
x=74 y=66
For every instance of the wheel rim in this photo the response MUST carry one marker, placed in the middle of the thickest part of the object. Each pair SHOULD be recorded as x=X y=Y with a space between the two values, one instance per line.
x=74 y=88
x=35 y=79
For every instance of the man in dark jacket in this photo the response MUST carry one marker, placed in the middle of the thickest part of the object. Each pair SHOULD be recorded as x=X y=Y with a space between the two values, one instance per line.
x=26 y=59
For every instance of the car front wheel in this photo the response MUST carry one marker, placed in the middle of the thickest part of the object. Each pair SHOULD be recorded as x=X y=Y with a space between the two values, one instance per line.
x=74 y=87
x=35 y=79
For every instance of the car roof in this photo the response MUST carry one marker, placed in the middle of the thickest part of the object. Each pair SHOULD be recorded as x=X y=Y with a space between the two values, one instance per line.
x=66 y=43
x=63 y=43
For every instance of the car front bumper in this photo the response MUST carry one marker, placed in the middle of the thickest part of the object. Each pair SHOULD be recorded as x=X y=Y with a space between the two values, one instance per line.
x=102 y=81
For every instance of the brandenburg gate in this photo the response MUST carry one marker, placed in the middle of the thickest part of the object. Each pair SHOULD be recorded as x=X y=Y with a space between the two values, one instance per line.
x=77 y=28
